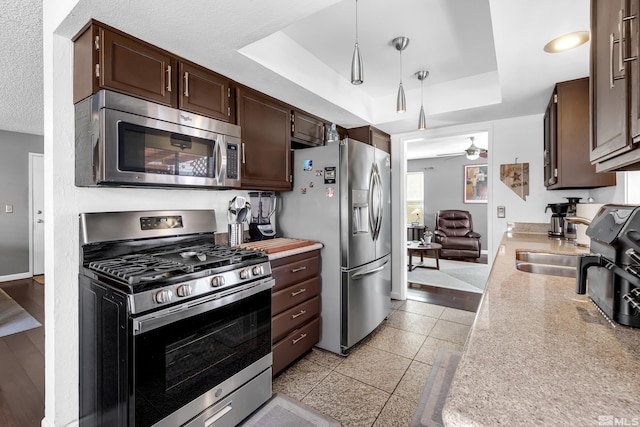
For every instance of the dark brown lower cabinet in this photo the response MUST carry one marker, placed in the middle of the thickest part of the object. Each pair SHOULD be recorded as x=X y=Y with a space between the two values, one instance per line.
x=295 y=307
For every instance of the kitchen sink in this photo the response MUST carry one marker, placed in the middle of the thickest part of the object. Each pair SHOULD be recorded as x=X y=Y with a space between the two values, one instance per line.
x=546 y=263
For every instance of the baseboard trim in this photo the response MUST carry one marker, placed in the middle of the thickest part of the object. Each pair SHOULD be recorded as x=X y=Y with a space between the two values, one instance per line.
x=10 y=277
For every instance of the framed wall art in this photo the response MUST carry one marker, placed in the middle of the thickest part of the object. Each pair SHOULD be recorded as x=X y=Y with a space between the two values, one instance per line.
x=476 y=187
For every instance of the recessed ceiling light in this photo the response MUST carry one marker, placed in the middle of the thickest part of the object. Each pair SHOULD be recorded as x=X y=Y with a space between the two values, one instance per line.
x=567 y=41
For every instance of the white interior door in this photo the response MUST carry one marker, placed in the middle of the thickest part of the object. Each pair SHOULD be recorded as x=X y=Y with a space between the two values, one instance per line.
x=36 y=200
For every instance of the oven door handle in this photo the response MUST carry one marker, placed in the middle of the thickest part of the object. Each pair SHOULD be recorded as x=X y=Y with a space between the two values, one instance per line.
x=210 y=302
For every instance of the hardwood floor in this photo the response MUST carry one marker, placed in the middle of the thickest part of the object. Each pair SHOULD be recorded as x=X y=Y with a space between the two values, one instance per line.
x=22 y=361
x=461 y=300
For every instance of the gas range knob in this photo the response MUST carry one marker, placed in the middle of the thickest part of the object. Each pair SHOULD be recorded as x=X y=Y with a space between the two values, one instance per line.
x=184 y=290
x=245 y=274
x=163 y=296
x=217 y=281
x=258 y=270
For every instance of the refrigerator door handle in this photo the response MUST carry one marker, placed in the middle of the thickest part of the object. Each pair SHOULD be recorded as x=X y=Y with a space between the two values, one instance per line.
x=358 y=276
x=375 y=201
x=380 y=203
x=372 y=215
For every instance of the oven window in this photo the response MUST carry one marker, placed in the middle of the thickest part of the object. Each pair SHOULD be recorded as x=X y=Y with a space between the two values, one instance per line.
x=179 y=362
x=143 y=149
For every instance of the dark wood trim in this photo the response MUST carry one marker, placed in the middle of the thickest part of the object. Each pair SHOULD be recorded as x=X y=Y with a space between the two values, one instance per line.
x=453 y=298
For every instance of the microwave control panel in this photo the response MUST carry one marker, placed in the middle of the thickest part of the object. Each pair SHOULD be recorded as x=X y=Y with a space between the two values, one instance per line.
x=232 y=161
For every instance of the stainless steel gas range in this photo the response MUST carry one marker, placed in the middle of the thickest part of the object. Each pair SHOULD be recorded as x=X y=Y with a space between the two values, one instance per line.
x=174 y=329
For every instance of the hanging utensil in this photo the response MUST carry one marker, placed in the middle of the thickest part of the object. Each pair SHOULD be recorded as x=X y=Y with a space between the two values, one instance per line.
x=242 y=215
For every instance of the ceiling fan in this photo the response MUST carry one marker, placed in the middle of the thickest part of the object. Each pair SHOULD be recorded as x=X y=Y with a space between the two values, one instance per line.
x=472 y=153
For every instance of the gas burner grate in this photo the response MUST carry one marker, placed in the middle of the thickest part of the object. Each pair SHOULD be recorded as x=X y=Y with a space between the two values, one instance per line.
x=148 y=267
x=136 y=268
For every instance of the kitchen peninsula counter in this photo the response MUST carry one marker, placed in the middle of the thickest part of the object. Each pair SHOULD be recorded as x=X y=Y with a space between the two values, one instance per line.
x=538 y=353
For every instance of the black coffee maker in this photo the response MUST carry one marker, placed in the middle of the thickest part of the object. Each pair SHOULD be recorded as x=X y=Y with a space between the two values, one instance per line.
x=558 y=214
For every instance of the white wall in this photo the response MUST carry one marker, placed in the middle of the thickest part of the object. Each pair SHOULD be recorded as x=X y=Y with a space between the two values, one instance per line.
x=518 y=138
x=63 y=203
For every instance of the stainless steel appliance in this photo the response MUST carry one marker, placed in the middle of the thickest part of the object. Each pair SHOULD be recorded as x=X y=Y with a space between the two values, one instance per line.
x=174 y=330
x=341 y=198
x=570 y=228
x=123 y=140
x=558 y=213
x=263 y=205
x=611 y=273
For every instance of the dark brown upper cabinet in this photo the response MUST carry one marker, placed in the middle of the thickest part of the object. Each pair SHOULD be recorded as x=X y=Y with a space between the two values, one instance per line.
x=566 y=140
x=615 y=85
x=371 y=136
x=105 y=58
x=306 y=129
x=204 y=92
x=266 y=141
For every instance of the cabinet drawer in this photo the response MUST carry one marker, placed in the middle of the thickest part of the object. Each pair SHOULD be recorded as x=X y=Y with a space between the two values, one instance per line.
x=295 y=345
x=288 y=297
x=297 y=271
x=293 y=318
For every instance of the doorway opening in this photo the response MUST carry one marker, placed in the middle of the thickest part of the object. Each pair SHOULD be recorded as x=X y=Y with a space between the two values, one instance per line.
x=452 y=174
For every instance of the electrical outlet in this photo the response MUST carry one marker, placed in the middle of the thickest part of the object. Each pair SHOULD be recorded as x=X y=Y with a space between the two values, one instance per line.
x=8 y=208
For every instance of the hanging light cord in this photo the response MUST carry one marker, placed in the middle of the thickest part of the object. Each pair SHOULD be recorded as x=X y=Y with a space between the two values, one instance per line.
x=400 y=66
x=356 y=22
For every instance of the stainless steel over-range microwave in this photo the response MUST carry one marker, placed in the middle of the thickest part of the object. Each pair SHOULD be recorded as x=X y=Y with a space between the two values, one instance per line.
x=127 y=141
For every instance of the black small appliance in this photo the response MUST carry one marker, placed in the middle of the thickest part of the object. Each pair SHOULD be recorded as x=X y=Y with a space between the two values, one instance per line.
x=263 y=205
x=610 y=274
x=559 y=212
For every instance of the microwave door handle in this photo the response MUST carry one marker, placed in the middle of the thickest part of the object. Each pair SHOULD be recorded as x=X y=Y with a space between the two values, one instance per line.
x=221 y=160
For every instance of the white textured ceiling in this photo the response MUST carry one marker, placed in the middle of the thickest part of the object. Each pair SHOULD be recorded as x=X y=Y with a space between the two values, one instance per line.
x=21 y=83
x=485 y=57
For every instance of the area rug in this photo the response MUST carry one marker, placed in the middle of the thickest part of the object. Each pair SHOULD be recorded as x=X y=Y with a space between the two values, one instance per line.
x=13 y=318
x=282 y=411
x=458 y=275
x=429 y=410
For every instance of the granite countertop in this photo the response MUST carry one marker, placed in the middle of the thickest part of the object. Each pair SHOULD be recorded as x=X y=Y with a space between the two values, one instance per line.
x=296 y=251
x=538 y=353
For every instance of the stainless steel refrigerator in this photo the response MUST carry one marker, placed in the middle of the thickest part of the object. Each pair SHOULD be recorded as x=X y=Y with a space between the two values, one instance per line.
x=341 y=197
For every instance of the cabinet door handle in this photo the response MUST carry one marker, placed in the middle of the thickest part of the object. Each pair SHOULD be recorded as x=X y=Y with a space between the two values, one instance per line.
x=168 y=78
x=295 y=270
x=301 y=291
x=293 y=316
x=186 y=84
x=612 y=79
x=626 y=19
x=244 y=160
x=302 y=336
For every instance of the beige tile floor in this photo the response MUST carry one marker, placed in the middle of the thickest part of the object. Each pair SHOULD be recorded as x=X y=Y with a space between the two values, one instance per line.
x=380 y=382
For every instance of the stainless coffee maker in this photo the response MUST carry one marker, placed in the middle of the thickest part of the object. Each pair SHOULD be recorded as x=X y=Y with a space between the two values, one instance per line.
x=263 y=205
x=570 y=229
x=556 y=224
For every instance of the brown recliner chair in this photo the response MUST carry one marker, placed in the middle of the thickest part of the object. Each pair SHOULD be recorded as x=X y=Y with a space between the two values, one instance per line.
x=454 y=231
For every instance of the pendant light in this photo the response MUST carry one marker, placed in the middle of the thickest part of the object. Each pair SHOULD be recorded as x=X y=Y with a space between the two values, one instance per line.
x=422 y=122
x=401 y=103
x=472 y=152
x=357 y=72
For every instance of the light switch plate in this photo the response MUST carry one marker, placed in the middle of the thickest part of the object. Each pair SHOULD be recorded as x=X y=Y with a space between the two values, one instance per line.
x=8 y=208
x=501 y=211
